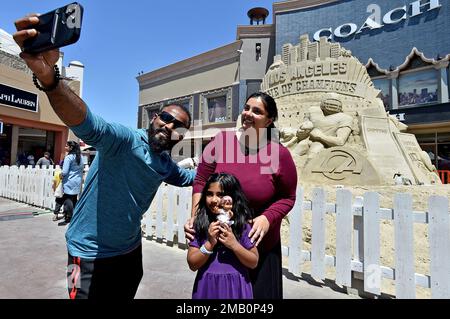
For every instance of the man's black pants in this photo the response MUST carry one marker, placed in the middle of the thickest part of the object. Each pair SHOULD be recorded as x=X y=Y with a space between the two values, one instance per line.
x=116 y=277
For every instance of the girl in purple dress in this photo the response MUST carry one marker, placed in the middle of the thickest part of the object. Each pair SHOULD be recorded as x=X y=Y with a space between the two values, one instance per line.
x=222 y=254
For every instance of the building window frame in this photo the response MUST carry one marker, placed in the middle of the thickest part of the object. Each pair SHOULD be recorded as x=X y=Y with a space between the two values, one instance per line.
x=438 y=144
x=206 y=96
x=389 y=99
x=418 y=71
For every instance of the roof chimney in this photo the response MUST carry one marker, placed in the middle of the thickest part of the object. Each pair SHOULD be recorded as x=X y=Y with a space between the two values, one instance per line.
x=258 y=14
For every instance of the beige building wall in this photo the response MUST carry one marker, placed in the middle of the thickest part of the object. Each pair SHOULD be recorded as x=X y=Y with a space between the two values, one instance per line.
x=24 y=81
x=207 y=80
x=211 y=70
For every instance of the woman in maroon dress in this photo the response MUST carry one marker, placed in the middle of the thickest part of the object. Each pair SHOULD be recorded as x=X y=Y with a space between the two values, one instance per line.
x=222 y=251
x=268 y=178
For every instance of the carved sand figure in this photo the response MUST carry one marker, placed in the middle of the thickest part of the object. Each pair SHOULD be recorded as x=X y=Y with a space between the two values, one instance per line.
x=331 y=126
x=298 y=138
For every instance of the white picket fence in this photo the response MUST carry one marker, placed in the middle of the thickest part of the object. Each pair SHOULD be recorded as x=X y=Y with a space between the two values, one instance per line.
x=357 y=231
x=28 y=185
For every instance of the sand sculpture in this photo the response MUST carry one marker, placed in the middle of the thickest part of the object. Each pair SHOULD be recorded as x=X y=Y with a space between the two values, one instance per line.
x=335 y=124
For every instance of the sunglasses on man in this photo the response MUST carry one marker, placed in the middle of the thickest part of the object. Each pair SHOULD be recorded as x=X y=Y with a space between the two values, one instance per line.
x=169 y=118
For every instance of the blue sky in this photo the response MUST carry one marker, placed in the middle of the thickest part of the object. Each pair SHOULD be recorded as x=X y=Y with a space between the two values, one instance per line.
x=121 y=38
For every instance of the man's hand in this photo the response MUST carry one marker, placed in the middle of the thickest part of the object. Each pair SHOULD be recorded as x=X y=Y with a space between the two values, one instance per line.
x=41 y=64
x=69 y=107
x=259 y=230
x=189 y=231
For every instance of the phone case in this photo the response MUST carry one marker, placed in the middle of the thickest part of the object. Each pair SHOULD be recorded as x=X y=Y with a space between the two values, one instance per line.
x=56 y=29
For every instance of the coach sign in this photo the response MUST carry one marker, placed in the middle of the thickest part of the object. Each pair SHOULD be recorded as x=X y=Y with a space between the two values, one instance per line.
x=376 y=21
x=17 y=98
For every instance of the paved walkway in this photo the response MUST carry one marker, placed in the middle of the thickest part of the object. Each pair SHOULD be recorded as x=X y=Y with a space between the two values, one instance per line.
x=33 y=260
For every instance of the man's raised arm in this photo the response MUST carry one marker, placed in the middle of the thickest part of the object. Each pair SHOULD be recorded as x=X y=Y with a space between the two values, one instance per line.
x=69 y=107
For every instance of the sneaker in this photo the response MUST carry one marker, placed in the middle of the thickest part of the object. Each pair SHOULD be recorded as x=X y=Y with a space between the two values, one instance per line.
x=55 y=217
x=63 y=223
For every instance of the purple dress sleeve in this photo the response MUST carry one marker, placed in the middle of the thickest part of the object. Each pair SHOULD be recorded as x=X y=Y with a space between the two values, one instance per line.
x=195 y=243
x=245 y=240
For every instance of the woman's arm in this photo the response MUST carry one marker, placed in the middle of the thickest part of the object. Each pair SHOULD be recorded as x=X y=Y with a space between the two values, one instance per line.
x=66 y=165
x=285 y=185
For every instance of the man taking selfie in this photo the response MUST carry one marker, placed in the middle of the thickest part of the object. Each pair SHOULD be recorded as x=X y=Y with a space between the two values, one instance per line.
x=104 y=235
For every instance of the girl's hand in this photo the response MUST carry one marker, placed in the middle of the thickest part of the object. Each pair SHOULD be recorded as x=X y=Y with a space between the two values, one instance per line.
x=259 y=230
x=213 y=232
x=226 y=236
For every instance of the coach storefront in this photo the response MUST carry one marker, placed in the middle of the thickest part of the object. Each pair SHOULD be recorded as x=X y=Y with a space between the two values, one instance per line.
x=406 y=49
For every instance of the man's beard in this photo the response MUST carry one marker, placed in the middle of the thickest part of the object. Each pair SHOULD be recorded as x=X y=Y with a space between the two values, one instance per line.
x=159 y=143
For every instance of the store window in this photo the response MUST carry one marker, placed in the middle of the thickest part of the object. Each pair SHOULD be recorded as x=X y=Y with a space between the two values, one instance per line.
x=217 y=111
x=418 y=88
x=384 y=85
x=5 y=145
x=437 y=145
x=443 y=151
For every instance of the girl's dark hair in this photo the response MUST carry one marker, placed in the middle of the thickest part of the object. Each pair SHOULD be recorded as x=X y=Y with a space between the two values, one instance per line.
x=75 y=149
x=271 y=108
x=242 y=212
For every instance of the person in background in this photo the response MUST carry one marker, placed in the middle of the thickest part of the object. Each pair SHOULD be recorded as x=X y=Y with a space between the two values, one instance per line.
x=45 y=161
x=72 y=176
x=22 y=159
x=59 y=200
x=30 y=159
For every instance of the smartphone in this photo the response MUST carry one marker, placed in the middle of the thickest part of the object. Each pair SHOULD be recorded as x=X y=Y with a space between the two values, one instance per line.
x=56 y=29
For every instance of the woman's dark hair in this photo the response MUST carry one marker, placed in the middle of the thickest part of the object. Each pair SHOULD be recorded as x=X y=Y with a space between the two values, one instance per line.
x=75 y=149
x=272 y=111
x=242 y=212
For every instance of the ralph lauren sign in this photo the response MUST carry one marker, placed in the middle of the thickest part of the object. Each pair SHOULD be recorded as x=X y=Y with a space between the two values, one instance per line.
x=18 y=98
